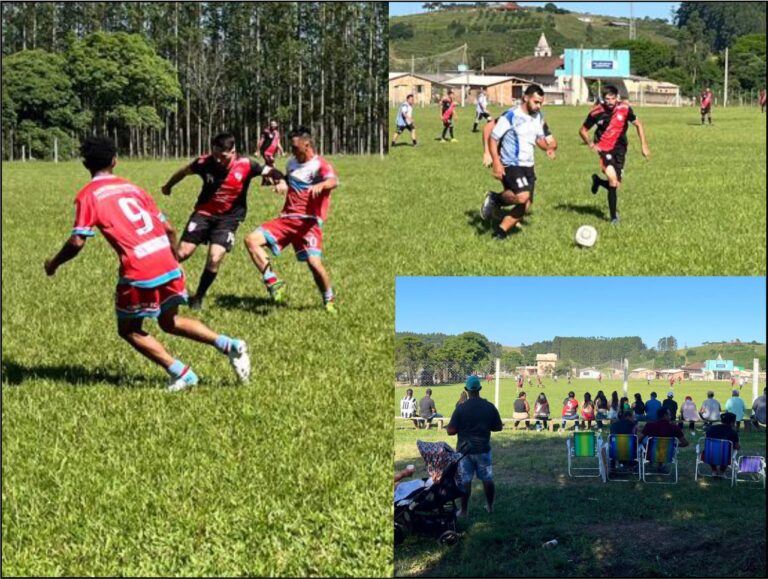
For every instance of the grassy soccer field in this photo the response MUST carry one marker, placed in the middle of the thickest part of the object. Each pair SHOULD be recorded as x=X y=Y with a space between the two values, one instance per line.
x=613 y=529
x=104 y=473
x=697 y=207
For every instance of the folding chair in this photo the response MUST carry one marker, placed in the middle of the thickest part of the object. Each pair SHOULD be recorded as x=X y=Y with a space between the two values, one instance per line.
x=620 y=448
x=659 y=450
x=752 y=465
x=586 y=447
x=716 y=452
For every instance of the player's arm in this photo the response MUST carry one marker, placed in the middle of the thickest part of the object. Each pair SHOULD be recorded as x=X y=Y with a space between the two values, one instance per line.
x=487 y=130
x=643 y=141
x=547 y=142
x=185 y=171
x=327 y=185
x=584 y=134
x=69 y=251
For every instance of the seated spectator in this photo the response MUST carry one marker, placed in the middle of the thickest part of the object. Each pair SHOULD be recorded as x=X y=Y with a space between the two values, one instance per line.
x=710 y=409
x=638 y=407
x=652 y=407
x=462 y=398
x=758 y=410
x=670 y=405
x=663 y=427
x=723 y=431
x=521 y=409
x=625 y=407
x=689 y=413
x=541 y=409
x=570 y=408
x=601 y=408
x=613 y=409
x=408 y=405
x=427 y=408
x=624 y=425
x=735 y=406
x=588 y=409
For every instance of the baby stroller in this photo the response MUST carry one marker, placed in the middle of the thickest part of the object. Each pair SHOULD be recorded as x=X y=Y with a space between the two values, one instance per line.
x=428 y=506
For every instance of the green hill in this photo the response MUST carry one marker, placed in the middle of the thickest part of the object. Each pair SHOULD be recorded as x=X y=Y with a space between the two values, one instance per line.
x=742 y=354
x=503 y=36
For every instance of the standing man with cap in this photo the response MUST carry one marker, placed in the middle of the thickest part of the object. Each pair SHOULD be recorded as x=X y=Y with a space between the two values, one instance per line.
x=474 y=421
x=670 y=405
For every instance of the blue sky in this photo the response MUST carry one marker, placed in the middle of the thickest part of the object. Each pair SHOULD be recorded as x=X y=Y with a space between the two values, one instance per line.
x=642 y=9
x=523 y=310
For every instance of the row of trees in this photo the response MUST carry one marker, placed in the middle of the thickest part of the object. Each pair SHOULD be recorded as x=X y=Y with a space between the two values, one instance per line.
x=458 y=356
x=162 y=77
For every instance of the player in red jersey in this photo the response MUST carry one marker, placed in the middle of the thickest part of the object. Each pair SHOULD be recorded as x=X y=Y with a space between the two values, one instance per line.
x=221 y=206
x=611 y=117
x=447 y=114
x=151 y=283
x=310 y=180
x=269 y=146
x=762 y=99
x=706 y=105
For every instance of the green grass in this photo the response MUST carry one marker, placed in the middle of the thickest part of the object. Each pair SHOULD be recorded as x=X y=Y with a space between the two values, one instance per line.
x=104 y=473
x=603 y=530
x=696 y=207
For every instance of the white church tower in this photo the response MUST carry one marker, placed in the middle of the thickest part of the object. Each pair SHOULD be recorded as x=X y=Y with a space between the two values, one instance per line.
x=542 y=48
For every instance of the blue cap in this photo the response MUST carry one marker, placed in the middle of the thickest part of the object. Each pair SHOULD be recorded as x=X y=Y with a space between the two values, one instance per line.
x=472 y=383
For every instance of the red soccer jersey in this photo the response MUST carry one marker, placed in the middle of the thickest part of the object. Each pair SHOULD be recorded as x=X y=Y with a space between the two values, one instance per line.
x=132 y=224
x=611 y=124
x=271 y=140
x=706 y=100
x=299 y=202
x=224 y=188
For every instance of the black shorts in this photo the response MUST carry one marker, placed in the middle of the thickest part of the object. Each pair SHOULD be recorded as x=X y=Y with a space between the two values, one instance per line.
x=519 y=179
x=404 y=127
x=485 y=116
x=218 y=229
x=706 y=110
x=615 y=159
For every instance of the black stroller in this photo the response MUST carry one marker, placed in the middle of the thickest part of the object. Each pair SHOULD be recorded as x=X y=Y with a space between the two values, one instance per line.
x=430 y=507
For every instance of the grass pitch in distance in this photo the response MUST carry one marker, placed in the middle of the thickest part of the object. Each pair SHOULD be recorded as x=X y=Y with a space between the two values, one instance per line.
x=105 y=473
x=614 y=529
x=696 y=207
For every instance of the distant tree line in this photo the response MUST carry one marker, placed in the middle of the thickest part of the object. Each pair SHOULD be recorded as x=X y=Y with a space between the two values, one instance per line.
x=162 y=77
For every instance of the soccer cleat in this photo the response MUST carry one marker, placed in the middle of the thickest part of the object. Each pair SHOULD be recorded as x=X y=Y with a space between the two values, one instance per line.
x=443 y=140
x=240 y=362
x=277 y=291
x=186 y=380
x=454 y=140
x=500 y=235
x=615 y=220
x=330 y=307
x=595 y=184
x=486 y=209
x=195 y=303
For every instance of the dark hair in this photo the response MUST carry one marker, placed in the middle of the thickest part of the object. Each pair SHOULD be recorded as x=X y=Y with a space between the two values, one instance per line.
x=615 y=399
x=542 y=397
x=571 y=394
x=429 y=391
x=610 y=89
x=587 y=397
x=638 y=397
x=653 y=395
x=97 y=153
x=301 y=132
x=521 y=395
x=225 y=141
x=728 y=418
x=663 y=413
x=408 y=96
x=534 y=89
x=409 y=391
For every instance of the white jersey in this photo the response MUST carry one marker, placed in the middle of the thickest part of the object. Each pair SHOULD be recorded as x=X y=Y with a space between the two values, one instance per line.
x=516 y=133
x=404 y=115
x=482 y=103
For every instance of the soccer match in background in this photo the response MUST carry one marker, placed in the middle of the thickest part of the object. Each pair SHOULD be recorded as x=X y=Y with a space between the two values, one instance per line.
x=194 y=293
x=579 y=138
x=580 y=427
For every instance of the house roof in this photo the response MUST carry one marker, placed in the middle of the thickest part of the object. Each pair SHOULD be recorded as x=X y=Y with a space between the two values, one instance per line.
x=433 y=78
x=529 y=66
x=480 y=80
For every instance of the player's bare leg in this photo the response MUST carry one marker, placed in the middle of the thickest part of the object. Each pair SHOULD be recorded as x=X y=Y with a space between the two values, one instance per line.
x=394 y=138
x=216 y=255
x=235 y=349
x=256 y=244
x=130 y=330
x=323 y=282
x=510 y=220
x=185 y=250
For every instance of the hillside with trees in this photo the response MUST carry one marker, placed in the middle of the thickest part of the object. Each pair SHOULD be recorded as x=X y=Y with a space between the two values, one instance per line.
x=162 y=77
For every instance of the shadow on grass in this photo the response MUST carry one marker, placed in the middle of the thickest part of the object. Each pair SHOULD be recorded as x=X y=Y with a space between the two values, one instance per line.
x=483 y=227
x=15 y=374
x=582 y=210
x=257 y=304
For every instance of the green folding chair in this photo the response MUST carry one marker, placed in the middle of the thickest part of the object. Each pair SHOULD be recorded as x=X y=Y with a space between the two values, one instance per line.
x=584 y=449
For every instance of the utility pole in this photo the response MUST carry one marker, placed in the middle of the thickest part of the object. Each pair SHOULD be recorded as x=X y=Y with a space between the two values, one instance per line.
x=482 y=64
x=725 y=84
x=632 y=31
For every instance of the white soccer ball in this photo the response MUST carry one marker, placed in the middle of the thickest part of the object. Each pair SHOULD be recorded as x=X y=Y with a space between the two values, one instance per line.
x=586 y=236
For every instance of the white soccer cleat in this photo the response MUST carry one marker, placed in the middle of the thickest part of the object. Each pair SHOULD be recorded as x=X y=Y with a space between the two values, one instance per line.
x=188 y=380
x=240 y=362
